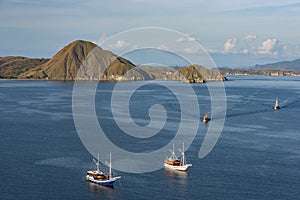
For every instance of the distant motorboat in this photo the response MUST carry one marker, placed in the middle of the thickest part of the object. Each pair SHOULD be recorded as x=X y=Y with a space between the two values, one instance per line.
x=99 y=177
x=276 y=106
x=205 y=118
x=174 y=163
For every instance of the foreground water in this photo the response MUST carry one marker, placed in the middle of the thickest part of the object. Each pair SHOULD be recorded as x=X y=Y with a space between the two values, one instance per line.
x=256 y=157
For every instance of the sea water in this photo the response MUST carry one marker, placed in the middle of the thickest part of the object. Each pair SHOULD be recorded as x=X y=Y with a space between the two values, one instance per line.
x=256 y=157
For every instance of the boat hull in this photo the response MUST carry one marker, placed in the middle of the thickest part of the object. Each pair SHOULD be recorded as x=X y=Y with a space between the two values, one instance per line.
x=177 y=168
x=108 y=182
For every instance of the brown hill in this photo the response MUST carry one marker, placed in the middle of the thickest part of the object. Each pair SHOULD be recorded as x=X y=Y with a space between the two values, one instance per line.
x=98 y=64
x=82 y=60
x=13 y=66
x=198 y=74
x=191 y=74
x=118 y=67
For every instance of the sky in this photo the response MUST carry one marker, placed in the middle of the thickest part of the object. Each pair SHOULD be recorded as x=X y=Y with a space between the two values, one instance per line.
x=234 y=33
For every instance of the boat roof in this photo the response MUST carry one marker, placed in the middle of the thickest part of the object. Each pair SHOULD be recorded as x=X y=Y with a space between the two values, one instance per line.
x=95 y=172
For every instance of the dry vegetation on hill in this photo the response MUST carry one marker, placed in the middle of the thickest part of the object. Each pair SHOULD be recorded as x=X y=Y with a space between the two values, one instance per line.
x=83 y=60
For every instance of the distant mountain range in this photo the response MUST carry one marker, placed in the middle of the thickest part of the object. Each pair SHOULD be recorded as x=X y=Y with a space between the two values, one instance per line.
x=283 y=68
x=83 y=60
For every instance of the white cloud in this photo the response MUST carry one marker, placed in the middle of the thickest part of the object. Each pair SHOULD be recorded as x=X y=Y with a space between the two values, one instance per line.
x=267 y=48
x=270 y=46
x=244 y=51
x=229 y=45
x=163 y=46
x=191 y=49
x=186 y=39
x=120 y=44
x=211 y=50
x=250 y=37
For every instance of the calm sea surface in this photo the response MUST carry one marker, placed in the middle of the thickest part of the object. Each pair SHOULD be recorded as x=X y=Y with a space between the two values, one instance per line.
x=256 y=157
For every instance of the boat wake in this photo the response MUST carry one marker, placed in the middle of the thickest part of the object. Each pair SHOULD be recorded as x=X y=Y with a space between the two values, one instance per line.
x=66 y=162
x=290 y=102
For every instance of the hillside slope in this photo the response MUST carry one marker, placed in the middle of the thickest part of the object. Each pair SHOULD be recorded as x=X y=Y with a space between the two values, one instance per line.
x=13 y=66
x=96 y=64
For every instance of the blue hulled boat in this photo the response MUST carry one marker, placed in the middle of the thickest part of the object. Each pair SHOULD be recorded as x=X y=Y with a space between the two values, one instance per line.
x=99 y=177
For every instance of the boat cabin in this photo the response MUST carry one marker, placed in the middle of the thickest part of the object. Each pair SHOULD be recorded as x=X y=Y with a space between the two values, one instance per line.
x=173 y=162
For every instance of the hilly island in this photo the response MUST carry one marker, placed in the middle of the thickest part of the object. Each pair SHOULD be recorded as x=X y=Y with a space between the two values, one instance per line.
x=83 y=60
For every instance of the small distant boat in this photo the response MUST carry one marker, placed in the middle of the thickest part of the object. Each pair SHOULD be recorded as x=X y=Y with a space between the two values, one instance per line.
x=174 y=163
x=205 y=118
x=276 y=106
x=99 y=177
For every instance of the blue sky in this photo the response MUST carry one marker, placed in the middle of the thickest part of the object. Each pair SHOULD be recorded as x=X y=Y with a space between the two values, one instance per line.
x=234 y=32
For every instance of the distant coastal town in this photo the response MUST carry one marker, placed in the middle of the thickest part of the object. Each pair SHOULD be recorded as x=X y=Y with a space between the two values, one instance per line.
x=251 y=72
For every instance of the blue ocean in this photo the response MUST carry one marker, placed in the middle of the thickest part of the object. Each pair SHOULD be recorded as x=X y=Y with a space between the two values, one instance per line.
x=257 y=155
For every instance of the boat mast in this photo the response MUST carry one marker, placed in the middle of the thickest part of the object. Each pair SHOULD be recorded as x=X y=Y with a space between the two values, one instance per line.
x=276 y=106
x=173 y=155
x=97 y=163
x=182 y=154
x=110 y=166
